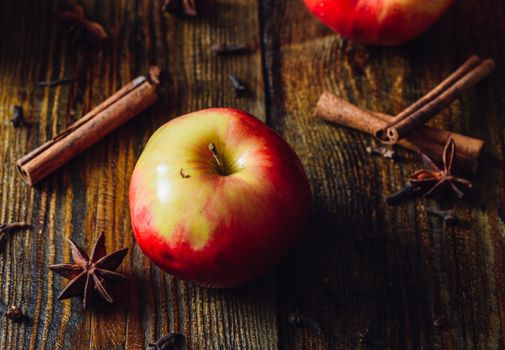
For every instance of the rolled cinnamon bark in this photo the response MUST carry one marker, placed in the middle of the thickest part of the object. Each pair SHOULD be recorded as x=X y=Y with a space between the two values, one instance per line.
x=435 y=101
x=130 y=100
x=428 y=140
x=470 y=64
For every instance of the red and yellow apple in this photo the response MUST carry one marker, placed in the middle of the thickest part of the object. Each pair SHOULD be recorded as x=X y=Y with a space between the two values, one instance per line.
x=380 y=22
x=217 y=198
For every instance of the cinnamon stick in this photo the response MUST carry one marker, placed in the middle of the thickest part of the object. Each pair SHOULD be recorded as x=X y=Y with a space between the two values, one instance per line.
x=428 y=140
x=444 y=85
x=130 y=100
x=469 y=74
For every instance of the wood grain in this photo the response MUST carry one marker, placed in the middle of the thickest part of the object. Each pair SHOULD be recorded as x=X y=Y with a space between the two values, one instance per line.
x=89 y=195
x=375 y=277
x=379 y=277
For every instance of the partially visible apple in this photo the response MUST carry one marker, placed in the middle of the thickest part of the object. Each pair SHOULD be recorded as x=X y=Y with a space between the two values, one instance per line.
x=218 y=198
x=380 y=22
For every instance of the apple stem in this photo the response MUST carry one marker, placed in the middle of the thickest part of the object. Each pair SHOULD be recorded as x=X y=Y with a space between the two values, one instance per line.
x=217 y=157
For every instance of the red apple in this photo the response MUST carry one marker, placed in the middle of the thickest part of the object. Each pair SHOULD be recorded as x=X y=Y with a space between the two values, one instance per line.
x=217 y=198
x=380 y=22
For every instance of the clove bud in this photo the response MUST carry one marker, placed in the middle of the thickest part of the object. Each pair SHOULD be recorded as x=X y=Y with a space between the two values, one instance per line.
x=410 y=190
x=14 y=313
x=18 y=119
x=448 y=216
x=238 y=86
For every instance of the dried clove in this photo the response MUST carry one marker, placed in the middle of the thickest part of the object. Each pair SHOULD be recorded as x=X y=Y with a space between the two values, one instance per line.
x=449 y=216
x=297 y=319
x=53 y=83
x=385 y=152
x=225 y=49
x=14 y=226
x=238 y=86
x=14 y=313
x=440 y=321
x=18 y=119
x=172 y=341
x=180 y=7
x=81 y=27
x=410 y=190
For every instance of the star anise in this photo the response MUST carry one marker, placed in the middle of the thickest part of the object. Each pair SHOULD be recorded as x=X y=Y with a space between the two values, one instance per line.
x=81 y=27
x=88 y=273
x=180 y=7
x=433 y=178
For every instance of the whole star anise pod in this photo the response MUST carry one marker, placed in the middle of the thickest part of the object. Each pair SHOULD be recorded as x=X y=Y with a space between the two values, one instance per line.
x=180 y=7
x=434 y=178
x=90 y=273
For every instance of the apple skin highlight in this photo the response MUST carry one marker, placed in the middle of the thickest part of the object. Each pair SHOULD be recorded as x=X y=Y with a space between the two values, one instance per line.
x=210 y=229
x=379 y=22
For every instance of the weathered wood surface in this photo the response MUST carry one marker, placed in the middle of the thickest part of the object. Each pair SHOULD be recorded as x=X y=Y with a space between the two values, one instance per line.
x=390 y=272
x=375 y=277
x=90 y=194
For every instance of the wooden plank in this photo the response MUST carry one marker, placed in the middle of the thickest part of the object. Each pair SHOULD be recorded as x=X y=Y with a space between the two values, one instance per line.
x=89 y=195
x=378 y=277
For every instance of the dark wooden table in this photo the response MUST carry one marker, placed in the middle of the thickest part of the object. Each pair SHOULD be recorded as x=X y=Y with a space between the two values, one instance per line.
x=373 y=276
